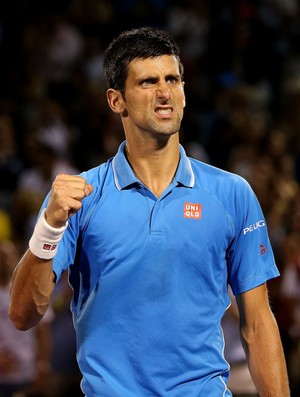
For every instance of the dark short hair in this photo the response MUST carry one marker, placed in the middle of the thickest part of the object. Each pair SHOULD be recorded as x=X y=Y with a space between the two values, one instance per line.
x=138 y=43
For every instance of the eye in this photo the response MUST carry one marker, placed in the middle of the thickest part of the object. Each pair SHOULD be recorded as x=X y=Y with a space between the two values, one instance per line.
x=172 y=79
x=147 y=82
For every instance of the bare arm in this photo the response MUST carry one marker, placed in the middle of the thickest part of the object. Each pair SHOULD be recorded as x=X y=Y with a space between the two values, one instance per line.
x=261 y=340
x=32 y=286
x=33 y=278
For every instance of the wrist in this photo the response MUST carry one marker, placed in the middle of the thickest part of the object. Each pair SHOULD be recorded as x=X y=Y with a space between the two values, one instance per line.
x=45 y=238
x=53 y=223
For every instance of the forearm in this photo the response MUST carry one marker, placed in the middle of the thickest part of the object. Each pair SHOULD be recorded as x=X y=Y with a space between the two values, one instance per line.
x=33 y=279
x=266 y=359
x=32 y=286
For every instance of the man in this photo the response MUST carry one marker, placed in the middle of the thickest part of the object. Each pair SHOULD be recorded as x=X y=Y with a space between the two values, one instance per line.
x=151 y=240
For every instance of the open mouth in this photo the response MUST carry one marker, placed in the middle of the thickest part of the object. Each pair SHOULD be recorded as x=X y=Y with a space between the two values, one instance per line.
x=164 y=111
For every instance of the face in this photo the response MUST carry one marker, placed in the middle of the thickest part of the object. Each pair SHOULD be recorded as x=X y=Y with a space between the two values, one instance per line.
x=154 y=97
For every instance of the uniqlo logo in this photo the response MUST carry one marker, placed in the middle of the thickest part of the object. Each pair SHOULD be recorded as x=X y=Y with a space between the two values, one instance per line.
x=192 y=211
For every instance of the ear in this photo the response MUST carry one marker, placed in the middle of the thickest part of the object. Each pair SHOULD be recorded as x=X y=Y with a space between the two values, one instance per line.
x=115 y=100
x=184 y=99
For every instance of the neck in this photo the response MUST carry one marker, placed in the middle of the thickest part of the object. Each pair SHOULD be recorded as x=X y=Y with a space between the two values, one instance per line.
x=154 y=164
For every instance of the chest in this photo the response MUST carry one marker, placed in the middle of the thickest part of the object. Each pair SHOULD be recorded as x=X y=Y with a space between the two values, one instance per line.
x=185 y=226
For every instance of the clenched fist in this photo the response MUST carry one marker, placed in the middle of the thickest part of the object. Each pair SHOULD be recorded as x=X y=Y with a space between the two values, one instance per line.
x=66 y=197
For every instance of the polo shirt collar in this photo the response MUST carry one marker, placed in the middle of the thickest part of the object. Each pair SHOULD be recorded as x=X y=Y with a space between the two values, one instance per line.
x=124 y=175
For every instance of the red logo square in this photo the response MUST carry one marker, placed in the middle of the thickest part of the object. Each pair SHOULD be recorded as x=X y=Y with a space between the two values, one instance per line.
x=192 y=210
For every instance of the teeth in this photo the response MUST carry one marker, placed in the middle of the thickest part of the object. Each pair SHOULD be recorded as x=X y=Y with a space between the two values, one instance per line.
x=164 y=111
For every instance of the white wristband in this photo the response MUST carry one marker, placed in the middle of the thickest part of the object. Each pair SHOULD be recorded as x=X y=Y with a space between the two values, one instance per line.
x=45 y=239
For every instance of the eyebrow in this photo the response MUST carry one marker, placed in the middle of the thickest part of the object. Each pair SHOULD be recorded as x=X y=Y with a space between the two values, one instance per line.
x=156 y=78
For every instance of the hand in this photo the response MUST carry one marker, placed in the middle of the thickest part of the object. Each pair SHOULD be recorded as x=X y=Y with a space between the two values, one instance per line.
x=66 y=197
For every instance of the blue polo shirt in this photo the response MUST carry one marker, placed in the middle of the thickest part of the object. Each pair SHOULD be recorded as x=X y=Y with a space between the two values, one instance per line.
x=150 y=277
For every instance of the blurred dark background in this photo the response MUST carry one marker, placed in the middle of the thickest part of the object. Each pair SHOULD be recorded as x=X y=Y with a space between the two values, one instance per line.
x=242 y=73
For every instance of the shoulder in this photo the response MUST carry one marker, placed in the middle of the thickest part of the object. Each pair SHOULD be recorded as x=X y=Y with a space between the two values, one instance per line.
x=230 y=190
x=96 y=175
x=99 y=177
x=214 y=179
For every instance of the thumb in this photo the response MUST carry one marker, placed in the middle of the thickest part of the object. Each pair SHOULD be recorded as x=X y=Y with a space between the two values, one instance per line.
x=88 y=189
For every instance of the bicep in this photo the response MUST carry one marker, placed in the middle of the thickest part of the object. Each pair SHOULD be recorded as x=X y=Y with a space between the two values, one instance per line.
x=253 y=304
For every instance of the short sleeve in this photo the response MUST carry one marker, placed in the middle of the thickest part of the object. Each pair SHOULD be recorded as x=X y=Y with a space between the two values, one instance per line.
x=250 y=256
x=66 y=250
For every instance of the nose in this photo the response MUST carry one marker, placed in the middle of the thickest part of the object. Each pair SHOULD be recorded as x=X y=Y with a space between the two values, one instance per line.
x=163 y=91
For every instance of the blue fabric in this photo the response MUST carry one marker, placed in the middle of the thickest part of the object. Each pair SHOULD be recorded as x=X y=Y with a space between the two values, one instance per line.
x=150 y=277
